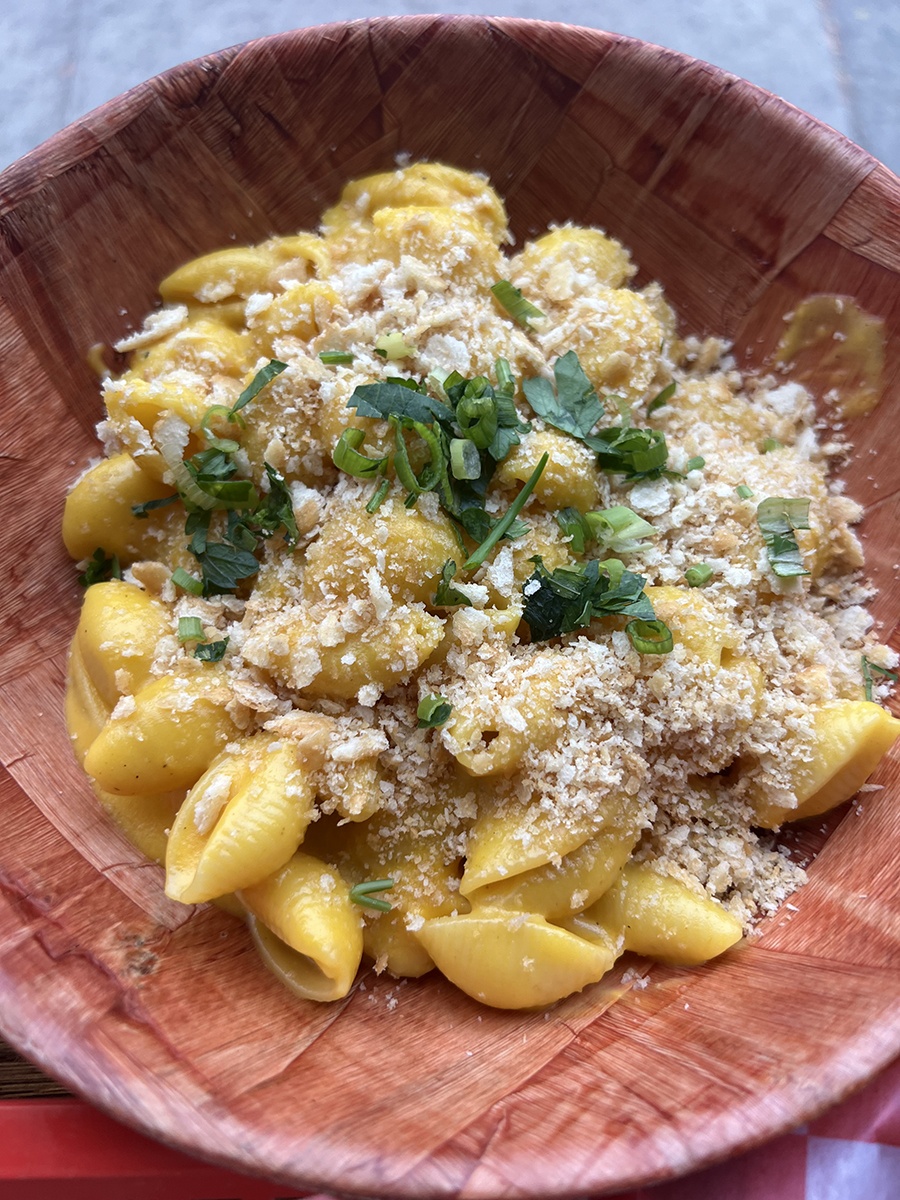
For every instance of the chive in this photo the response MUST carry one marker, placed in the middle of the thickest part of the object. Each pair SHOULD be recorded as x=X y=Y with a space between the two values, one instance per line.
x=335 y=358
x=361 y=893
x=743 y=491
x=650 y=637
x=506 y=381
x=392 y=346
x=661 y=398
x=141 y=510
x=698 y=575
x=476 y=559
x=188 y=583
x=868 y=667
x=465 y=461
x=256 y=385
x=512 y=300
x=190 y=629
x=346 y=458
x=378 y=496
x=433 y=711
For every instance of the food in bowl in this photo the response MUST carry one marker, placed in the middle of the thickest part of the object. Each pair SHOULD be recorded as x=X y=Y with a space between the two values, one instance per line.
x=464 y=614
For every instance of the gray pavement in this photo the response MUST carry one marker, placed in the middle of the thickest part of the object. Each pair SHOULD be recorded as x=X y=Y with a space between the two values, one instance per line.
x=835 y=58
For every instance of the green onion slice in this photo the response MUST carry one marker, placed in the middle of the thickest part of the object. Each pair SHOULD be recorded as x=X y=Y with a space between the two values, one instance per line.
x=778 y=518
x=512 y=300
x=465 y=461
x=335 y=358
x=650 y=637
x=188 y=583
x=433 y=711
x=698 y=575
x=392 y=347
x=378 y=496
x=226 y=445
x=190 y=629
x=743 y=492
x=346 y=456
x=662 y=398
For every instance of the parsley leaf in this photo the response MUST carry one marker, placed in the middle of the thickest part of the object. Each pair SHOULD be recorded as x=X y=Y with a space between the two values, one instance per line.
x=573 y=407
x=276 y=511
x=211 y=651
x=398 y=398
x=224 y=566
x=100 y=568
x=569 y=598
x=446 y=594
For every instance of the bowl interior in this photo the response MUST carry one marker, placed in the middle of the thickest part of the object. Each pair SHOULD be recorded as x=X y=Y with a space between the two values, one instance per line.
x=741 y=206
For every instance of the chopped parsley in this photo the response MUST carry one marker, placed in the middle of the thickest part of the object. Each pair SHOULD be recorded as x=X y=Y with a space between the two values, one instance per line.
x=867 y=668
x=363 y=894
x=569 y=598
x=433 y=711
x=779 y=518
x=100 y=567
x=211 y=651
x=447 y=595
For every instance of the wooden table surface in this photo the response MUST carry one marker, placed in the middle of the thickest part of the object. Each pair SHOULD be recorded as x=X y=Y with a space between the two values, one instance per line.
x=835 y=58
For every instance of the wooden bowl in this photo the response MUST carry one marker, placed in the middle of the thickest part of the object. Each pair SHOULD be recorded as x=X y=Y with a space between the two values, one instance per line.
x=163 y=1015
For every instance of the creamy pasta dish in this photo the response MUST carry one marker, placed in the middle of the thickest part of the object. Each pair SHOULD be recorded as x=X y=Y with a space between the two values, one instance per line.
x=446 y=608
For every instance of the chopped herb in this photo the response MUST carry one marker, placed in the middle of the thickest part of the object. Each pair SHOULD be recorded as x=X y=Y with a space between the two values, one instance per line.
x=447 y=595
x=256 y=385
x=276 y=510
x=743 y=492
x=506 y=521
x=778 y=519
x=769 y=444
x=392 y=347
x=211 y=651
x=634 y=453
x=662 y=398
x=696 y=463
x=224 y=566
x=100 y=568
x=226 y=445
x=396 y=398
x=141 y=510
x=465 y=461
x=378 y=496
x=867 y=668
x=335 y=358
x=574 y=526
x=573 y=407
x=433 y=711
x=570 y=598
x=618 y=528
x=187 y=583
x=511 y=299
x=362 y=893
x=650 y=637
x=190 y=629
x=698 y=575
x=346 y=456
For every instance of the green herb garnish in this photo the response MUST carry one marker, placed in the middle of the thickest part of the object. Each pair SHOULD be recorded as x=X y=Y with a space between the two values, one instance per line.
x=573 y=407
x=335 y=358
x=362 y=894
x=743 y=492
x=446 y=595
x=211 y=651
x=141 y=510
x=867 y=668
x=769 y=444
x=661 y=398
x=433 y=711
x=650 y=637
x=378 y=496
x=778 y=519
x=346 y=456
x=190 y=629
x=100 y=568
x=187 y=583
x=392 y=347
x=569 y=598
x=511 y=299
x=503 y=526
x=698 y=575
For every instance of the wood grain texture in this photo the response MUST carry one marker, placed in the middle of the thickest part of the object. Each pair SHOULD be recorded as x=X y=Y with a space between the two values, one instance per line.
x=164 y=1016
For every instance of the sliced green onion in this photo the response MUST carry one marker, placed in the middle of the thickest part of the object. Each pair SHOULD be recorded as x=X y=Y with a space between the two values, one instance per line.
x=362 y=893
x=256 y=385
x=378 y=496
x=650 y=637
x=190 y=629
x=744 y=492
x=698 y=575
x=335 y=358
x=392 y=346
x=478 y=418
x=618 y=525
x=867 y=668
x=778 y=518
x=188 y=583
x=465 y=461
x=695 y=463
x=476 y=559
x=431 y=472
x=226 y=445
x=661 y=398
x=346 y=458
x=511 y=299
x=506 y=381
x=433 y=711
x=769 y=444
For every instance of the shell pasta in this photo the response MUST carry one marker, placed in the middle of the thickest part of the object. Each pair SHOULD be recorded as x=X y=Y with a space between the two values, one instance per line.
x=445 y=607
